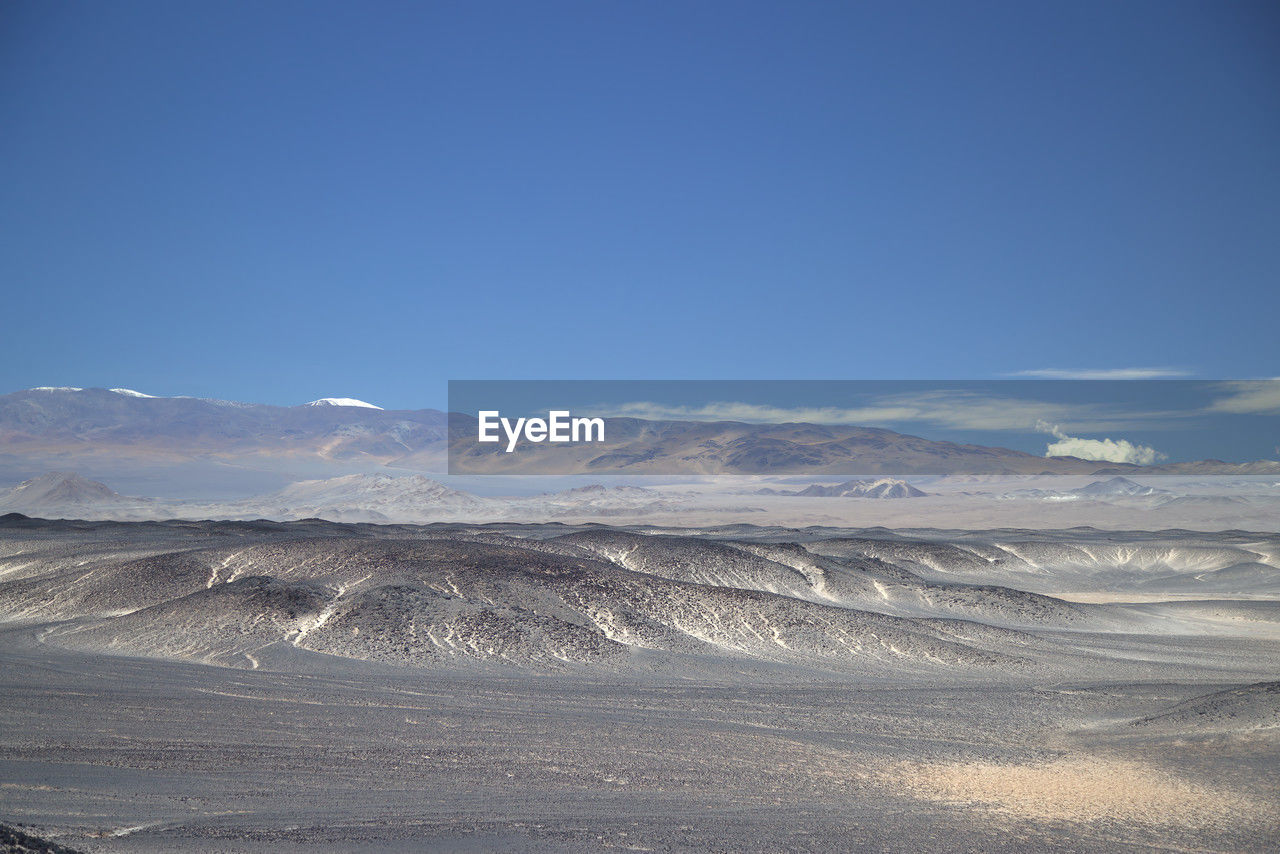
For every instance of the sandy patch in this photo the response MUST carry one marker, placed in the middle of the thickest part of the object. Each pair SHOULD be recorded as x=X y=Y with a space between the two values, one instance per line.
x=1103 y=597
x=1077 y=788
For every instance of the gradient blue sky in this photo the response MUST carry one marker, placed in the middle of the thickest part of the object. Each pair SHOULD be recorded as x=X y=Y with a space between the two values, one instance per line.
x=279 y=201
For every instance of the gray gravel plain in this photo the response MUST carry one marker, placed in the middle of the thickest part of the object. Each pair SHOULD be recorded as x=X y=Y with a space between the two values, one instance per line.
x=1041 y=728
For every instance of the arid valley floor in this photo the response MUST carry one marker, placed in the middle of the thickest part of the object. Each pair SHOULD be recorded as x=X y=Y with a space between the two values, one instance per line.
x=258 y=686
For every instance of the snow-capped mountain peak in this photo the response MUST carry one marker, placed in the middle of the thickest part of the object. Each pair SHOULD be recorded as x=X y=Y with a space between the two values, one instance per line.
x=341 y=401
x=127 y=392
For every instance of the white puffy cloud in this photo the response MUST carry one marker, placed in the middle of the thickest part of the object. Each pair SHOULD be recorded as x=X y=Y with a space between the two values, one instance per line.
x=1101 y=450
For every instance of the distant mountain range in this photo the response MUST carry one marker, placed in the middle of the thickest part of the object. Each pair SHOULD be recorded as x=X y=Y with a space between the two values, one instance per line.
x=377 y=498
x=416 y=499
x=123 y=421
x=883 y=488
x=128 y=436
x=1121 y=491
x=168 y=443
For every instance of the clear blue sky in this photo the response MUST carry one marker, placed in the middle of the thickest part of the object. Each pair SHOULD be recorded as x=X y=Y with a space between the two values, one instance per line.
x=278 y=201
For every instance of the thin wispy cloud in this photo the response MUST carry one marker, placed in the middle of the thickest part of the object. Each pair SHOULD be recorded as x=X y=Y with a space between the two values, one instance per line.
x=1249 y=397
x=1104 y=373
x=957 y=410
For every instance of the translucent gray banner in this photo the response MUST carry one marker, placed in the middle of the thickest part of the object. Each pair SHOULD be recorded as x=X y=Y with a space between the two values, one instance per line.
x=855 y=427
